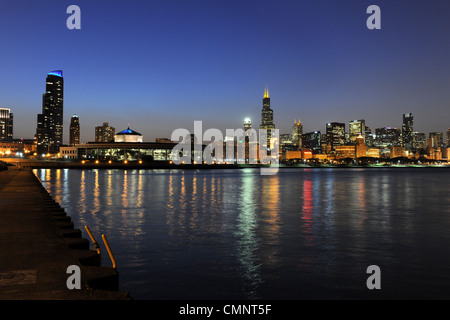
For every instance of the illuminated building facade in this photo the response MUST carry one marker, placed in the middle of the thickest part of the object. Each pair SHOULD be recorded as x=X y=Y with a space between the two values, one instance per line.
x=361 y=149
x=247 y=124
x=335 y=134
x=267 y=117
x=127 y=151
x=74 y=132
x=68 y=152
x=297 y=132
x=388 y=137
x=345 y=151
x=356 y=128
x=17 y=147
x=419 y=140
x=49 y=132
x=104 y=133
x=6 y=124
x=128 y=135
x=397 y=152
x=407 y=130
x=436 y=140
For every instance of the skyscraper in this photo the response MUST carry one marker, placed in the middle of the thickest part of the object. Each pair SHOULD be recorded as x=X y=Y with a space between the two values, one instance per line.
x=448 y=137
x=436 y=139
x=419 y=140
x=247 y=124
x=104 y=133
x=335 y=134
x=267 y=117
x=356 y=128
x=6 y=124
x=388 y=137
x=312 y=141
x=249 y=133
x=49 y=132
x=407 y=130
x=297 y=132
x=74 y=135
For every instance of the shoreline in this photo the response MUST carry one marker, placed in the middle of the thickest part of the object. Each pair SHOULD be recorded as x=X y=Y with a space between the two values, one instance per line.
x=41 y=243
x=48 y=164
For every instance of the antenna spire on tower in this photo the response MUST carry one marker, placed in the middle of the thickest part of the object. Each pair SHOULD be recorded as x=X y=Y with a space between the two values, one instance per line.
x=266 y=92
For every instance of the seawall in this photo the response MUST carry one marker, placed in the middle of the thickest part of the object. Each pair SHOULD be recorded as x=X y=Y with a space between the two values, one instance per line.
x=38 y=242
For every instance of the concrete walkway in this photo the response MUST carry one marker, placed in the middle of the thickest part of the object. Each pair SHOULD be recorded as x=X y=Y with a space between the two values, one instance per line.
x=38 y=243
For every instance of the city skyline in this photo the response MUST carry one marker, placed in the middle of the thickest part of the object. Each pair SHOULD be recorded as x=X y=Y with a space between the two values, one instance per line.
x=161 y=66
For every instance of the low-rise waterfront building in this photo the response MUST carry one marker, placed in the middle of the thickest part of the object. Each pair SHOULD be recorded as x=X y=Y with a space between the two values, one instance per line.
x=68 y=152
x=20 y=147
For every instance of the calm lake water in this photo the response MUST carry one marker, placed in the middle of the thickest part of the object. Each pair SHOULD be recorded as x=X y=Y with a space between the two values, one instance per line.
x=235 y=234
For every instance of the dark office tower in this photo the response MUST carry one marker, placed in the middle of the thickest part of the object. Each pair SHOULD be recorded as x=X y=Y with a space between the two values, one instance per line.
x=312 y=141
x=448 y=137
x=6 y=124
x=368 y=137
x=104 y=133
x=419 y=141
x=74 y=134
x=335 y=134
x=407 y=130
x=267 y=117
x=356 y=128
x=388 y=137
x=49 y=132
x=297 y=132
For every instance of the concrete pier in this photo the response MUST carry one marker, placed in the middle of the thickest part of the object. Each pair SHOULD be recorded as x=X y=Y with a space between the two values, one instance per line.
x=38 y=243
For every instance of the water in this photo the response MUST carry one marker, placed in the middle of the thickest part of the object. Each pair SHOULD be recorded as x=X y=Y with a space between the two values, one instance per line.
x=234 y=234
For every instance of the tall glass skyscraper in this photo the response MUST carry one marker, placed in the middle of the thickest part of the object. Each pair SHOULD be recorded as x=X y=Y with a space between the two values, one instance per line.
x=297 y=132
x=6 y=124
x=49 y=132
x=74 y=132
x=407 y=130
x=335 y=134
x=267 y=117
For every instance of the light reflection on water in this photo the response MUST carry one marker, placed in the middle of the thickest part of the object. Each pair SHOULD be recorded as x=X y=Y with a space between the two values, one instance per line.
x=303 y=233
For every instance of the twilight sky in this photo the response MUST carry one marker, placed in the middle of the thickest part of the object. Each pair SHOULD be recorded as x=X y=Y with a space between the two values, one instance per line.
x=159 y=65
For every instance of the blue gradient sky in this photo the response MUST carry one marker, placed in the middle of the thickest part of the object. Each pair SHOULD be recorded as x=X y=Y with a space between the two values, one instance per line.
x=161 y=65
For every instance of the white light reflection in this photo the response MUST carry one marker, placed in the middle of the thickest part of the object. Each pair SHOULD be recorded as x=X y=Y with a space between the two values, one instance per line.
x=246 y=233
